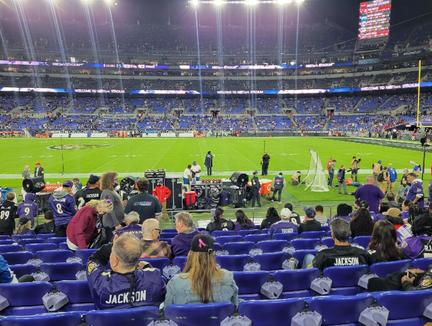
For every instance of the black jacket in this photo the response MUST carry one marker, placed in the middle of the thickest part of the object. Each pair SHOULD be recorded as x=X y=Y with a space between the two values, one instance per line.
x=341 y=256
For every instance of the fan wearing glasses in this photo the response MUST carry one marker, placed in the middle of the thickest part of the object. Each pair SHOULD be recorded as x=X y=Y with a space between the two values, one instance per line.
x=153 y=248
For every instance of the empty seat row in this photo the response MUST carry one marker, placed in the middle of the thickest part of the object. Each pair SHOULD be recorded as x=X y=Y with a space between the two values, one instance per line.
x=404 y=308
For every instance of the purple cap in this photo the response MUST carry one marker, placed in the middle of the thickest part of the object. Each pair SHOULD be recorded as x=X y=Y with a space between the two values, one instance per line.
x=68 y=184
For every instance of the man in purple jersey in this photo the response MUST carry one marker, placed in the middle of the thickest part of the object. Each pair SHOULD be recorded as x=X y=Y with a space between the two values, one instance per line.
x=63 y=206
x=117 y=279
x=28 y=208
x=132 y=227
x=371 y=194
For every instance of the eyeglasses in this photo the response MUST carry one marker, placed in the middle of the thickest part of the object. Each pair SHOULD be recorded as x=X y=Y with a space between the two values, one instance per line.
x=157 y=230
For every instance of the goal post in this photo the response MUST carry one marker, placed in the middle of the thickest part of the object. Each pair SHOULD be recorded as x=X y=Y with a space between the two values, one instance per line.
x=316 y=178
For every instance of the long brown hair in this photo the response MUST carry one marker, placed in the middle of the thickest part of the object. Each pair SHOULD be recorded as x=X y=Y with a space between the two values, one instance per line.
x=107 y=180
x=384 y=239
x=201 y=268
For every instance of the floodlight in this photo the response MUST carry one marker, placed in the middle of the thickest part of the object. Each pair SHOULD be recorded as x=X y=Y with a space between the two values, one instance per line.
x=194 y=3
x=283 y=2
x=109 y=2
x=251 y=3
x=87 y=2
x=218 y=3
x=299 y=2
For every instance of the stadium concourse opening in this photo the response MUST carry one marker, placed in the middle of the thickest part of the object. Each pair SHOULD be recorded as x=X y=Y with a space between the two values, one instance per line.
x=215 y=162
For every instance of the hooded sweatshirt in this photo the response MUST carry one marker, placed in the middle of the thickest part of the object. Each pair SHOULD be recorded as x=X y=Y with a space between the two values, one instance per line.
x=181 y=243
x=28 y=208
x=62 y=205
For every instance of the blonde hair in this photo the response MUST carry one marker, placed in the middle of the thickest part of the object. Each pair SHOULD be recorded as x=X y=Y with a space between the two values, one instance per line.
x=201 y=269
x=105 y=204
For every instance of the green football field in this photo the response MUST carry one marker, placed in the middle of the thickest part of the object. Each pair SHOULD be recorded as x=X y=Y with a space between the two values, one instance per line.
x=134 y=156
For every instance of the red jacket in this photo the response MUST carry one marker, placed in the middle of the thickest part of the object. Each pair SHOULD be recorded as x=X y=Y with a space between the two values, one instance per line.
x=82 y=227
x=162 y=193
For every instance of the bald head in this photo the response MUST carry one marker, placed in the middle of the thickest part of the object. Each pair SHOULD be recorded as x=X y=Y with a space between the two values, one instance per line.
x=150 y=229
x=128 y=250
x=370 y=180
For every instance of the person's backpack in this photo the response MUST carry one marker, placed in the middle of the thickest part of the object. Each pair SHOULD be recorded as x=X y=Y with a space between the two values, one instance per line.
x=392 y=174
x=415 y=246
x=380 y=177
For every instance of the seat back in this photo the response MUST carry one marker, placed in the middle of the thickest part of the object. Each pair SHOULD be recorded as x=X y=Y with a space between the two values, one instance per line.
x=271 y=312
x=233 y=262
x=54 y=256
x=199 y=314
x=19 y=257
x=221 y=233
x=302 y=244
x=6 y=242
x=238 y=248
x=405 y=304
x=271 y=261
x=77 y=291
x=229 y=238
x=247 y=232
x=272 y=245
x=345 y=276
x=56 y=239
x=312 y=234
x=22 y=269
x=25 y=294
x=362 y=241
x=257 y=237
x=339 y=309
x=422 y=263
x=180 y=261
x=61 y=271
x=382 y=269
x=33 y=247
x=123 y=317
x=45 y=235
x=285 y=236
x=10 y=248
x=329 y=242
x=295 y=280
x=250 y=282
x=51 y=319
x=300 y=254
x=24 y=242
x=84 y=254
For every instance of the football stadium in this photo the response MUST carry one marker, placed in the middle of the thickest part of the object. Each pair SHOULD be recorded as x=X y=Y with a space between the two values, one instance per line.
x=215 y=162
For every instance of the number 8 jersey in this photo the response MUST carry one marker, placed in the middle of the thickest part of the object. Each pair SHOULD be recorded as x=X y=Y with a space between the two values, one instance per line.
x=62 y=205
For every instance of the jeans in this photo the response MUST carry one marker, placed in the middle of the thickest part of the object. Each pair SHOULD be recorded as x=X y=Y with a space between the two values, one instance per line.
x=340 y=185
x=330 y=179
x=308 y=261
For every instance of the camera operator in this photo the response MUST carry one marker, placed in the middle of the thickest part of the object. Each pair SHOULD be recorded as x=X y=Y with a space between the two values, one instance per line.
x=355 y=167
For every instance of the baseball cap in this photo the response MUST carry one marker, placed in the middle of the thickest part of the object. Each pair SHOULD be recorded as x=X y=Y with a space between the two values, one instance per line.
x=393 y=212
x=285 y=213
x=202 y=243
x=68 y=184
x=93 y=179
x=310 y=212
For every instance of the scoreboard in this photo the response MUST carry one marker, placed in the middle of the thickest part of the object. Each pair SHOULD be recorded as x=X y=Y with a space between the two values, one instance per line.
x=374 y=22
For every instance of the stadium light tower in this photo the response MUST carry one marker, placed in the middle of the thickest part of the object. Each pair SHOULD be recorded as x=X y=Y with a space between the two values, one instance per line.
x=194 y=3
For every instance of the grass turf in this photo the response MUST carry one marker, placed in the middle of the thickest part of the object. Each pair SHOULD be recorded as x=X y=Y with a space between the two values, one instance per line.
x=82 y=156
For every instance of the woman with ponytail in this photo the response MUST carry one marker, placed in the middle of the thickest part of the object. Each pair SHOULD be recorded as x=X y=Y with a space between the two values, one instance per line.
x=382 y=246
x=202 y=281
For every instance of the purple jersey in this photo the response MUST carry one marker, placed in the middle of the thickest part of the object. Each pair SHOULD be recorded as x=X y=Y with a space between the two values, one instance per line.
x=28 y=209
x=283 y=227
x=133 y=229
x=113 y=290
x=63 y=206
x=416 y=191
